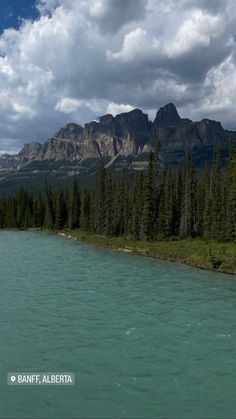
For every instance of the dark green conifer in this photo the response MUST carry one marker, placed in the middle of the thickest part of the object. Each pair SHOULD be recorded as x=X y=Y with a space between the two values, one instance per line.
x=230 y=201
x=137 y=209
x=148 y=230
x=61 y=213
x=109 y=207
x=74 y=205
x=216 y=195
x=38 y=211
x=187 y=219
x=166 y=205
x=100 y=200
x=49 y=217
x=86 y=209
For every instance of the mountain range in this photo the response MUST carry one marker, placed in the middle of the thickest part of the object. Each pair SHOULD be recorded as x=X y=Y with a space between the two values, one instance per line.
x=121 y=141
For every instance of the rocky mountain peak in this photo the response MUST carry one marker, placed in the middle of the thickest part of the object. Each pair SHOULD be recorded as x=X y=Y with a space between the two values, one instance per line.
x=91 y=128
x=71 y=131
x=127 y=135
x=30 y=149
x=135 y=120
x=106 y=119
x=167 y=115
x=133 y=115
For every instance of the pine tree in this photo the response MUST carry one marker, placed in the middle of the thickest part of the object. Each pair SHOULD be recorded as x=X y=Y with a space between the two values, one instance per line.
x=74 y=207
x=86 y=211
x=127 y=202
x=100 y=200
x=1 y=216
x=28 y=218
x=203 y=218
x=49 y=217
x=230 y=209
x=216 y=195
x=166 y=205
x=136 y=221
x=38 y=211
x=187 y=220
x=10 y=214
x=109 y=207
x=122 y=205
x=119 y=210
x=178 y=199
x=61 y=213
x=92 y=216
x=23 y=209
x=148 y=230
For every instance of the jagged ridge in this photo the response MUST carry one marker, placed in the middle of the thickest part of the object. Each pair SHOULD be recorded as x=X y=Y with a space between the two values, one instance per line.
x=126 y=134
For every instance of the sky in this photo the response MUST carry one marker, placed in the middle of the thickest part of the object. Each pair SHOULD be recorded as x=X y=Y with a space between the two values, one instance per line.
x=74 y=60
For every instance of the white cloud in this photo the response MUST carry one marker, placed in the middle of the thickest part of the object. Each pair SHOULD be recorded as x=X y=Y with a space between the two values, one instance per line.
x=115 y=108
x=45 y=6
x=6 y=69
x=70 y=105
x=221 y=81
x=108 y=15
x=136 y=44
x=98 y=8
x=196 y=31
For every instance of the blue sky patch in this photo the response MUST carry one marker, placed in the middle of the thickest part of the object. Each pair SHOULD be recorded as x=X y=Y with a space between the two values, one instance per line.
x=12 y=11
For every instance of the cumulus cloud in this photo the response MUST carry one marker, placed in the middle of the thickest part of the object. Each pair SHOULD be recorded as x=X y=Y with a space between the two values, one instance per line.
x=69 y=105
x=136 y=44
x=109 y=15
x=220 y=83
x=83 y=58
x=115 y=108
x=197 y=31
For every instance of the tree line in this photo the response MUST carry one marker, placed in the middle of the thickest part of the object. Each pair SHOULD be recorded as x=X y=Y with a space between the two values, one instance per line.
x=160 y=203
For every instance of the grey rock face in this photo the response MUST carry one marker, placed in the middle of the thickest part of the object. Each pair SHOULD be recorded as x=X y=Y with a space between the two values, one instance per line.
x=134 y=130
x=167 y=115
x=176 y=134
x=210 y=132
x=7 y=162
x=29 y=153
x=70 y=132
x=127 y=134
x=59 y=149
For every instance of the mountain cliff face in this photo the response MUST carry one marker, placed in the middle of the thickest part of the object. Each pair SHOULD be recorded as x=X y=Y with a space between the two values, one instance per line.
x=127 y=135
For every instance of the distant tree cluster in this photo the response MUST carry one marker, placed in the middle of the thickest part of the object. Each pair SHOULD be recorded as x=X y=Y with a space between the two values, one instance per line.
x=161 y=203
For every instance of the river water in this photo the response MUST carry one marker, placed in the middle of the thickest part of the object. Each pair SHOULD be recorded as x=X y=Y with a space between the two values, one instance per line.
x=145 y=338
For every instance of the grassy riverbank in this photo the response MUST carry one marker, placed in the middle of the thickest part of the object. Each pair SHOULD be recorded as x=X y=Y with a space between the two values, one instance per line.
x=205 y=254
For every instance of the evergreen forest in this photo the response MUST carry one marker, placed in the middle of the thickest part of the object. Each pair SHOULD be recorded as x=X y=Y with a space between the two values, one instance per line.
x=161 y=203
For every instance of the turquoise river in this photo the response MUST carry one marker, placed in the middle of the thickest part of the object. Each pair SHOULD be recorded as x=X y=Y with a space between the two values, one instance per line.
x=145 y=338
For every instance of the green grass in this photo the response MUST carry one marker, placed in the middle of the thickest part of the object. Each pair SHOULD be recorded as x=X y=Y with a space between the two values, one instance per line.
x=205 y=254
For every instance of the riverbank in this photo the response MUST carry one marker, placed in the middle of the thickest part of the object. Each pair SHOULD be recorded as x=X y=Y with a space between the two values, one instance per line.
x=204 y=254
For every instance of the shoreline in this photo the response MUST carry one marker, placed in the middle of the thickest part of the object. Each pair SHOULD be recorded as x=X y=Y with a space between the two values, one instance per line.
x=202 y=254
x=199 y=253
